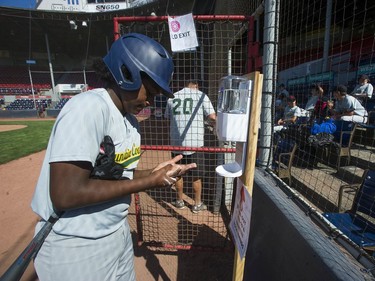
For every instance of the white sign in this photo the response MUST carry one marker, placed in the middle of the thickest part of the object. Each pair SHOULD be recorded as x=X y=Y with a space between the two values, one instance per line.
x=182 y=33
x=70 y=88
x=240 y=222
x=85 y=6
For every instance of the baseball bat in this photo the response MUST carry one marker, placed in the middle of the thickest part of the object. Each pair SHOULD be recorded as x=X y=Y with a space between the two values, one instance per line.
x=18 y=267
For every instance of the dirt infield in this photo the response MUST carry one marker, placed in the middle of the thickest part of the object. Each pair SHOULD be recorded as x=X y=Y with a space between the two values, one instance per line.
x=17 y=222
x=4 y=128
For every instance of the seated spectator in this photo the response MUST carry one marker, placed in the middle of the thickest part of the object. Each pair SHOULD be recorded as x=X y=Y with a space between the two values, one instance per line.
x=322 y=110
x=280 y=105
x=283 y=90
x=281 y=102
x=291 y=113
x=363 y=90
x=347 y=107
x=316 y=94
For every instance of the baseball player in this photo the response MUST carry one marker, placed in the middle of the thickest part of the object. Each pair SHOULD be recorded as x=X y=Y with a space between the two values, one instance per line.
x=187 y=112
x=89 y=171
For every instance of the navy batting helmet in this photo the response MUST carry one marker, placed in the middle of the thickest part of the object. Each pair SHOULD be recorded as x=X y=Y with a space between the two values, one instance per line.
x=139 y=53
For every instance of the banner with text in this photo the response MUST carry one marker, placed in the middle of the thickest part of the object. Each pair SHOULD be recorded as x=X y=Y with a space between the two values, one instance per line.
x=182 y=33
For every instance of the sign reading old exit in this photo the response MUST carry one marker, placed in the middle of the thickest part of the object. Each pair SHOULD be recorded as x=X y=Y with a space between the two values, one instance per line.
x=182 y=33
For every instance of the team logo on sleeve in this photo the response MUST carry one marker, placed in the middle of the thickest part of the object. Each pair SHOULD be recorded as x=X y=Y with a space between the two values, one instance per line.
x=129 y=157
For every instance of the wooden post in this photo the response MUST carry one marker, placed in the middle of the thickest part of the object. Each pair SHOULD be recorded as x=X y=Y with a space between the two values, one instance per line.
x=252 y=138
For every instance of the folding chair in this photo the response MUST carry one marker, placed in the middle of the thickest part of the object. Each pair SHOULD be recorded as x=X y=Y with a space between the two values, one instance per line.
x=371 y=118
x=358 y=222
x=343 y=140
x=283 y=158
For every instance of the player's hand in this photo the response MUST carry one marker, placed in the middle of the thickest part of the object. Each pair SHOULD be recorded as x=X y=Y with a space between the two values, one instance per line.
x=330 y=104
x=163 y=177
x=176 y=170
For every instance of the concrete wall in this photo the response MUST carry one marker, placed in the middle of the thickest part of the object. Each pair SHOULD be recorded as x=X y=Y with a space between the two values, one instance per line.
x=52 y=112
x=285 y=244
x=30 y=113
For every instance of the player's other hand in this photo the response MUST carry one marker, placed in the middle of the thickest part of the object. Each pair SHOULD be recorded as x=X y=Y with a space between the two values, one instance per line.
x=160 y=177
x=175 y=170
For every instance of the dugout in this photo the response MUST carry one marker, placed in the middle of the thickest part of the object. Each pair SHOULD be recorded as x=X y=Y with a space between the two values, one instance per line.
x=286 y=244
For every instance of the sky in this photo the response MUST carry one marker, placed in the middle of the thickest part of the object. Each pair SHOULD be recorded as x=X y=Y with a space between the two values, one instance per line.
x=25 y=4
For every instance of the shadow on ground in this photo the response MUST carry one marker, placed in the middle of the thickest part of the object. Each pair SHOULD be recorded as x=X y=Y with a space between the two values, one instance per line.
x=184 y=265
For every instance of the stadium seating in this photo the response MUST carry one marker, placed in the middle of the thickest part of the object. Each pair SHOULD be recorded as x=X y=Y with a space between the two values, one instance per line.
x=24 y=104
x=16 y=80
x=370 y=105
x=61 y=103
x=356 y=222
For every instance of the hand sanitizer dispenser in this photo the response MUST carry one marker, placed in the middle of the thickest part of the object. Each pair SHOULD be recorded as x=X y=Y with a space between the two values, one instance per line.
x=233 y=108
x=232 y=120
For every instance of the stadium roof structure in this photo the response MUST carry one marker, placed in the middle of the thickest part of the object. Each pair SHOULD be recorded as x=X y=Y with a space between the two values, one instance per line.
x=25 y=33
x=89 y=6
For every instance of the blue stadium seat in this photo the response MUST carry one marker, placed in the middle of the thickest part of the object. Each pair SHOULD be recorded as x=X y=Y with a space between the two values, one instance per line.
x=355 y=223
x=61 y=103
x=344 y=130
x=370 y=105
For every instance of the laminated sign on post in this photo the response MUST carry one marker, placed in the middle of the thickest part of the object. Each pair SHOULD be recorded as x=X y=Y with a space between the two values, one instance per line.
x=240 y=221
x=182 y=33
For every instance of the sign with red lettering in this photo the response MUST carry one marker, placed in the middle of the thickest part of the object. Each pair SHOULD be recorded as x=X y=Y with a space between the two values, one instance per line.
x=241 y=217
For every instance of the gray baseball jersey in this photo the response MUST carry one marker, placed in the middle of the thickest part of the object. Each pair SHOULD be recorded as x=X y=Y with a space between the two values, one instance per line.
x=350 y=103
x=187 y=111
x=76 y=136
x=363 y=89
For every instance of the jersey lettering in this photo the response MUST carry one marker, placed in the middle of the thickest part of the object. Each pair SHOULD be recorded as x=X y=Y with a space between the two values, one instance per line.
x=129 y=156
x=184 y=106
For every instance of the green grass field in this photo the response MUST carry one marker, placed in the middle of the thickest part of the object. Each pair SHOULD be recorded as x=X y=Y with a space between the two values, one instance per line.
x=22 y=142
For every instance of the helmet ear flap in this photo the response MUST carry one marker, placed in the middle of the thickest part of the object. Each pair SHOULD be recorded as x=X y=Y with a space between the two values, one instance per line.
x=127 y=74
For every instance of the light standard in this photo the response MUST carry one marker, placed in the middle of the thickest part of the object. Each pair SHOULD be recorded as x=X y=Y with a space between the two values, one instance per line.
x=30 y=62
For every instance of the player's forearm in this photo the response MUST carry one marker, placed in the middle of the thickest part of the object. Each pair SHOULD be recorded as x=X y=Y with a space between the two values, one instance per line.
x=97 y=191
x=142 y=173
x=71 y=186
x=290 y=120
x=362 y=95
x=348 y=113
